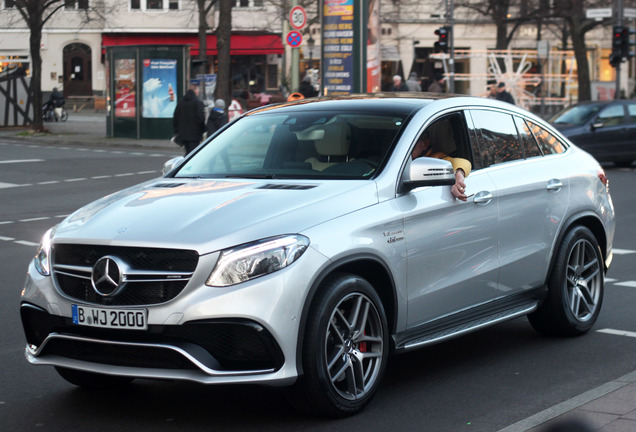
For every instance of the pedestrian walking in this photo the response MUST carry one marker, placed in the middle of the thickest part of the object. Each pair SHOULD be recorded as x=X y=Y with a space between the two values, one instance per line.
x=188 y=121
x=503 y=95
x=413 y=83
x=437 y=86
x=306 y=88
x=398 y=85
x=217 y=118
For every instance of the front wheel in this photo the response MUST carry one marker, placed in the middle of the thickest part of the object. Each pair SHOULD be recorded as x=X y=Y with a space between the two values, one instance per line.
x=345 y=348
x=575 y=287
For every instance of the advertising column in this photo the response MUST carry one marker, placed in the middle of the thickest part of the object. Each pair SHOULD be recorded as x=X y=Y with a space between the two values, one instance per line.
x=351 y=46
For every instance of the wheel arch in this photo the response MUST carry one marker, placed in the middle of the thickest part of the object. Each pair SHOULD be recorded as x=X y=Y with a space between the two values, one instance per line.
x=590 y=221
x=367 y=266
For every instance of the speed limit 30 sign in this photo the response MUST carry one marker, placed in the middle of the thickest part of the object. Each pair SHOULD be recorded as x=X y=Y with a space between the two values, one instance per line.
x=298 y=17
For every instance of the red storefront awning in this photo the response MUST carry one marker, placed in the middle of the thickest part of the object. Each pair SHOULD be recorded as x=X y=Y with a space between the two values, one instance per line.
x=240 y=44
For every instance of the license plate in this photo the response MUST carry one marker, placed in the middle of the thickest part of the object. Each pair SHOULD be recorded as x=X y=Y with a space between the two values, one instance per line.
x=128 y=319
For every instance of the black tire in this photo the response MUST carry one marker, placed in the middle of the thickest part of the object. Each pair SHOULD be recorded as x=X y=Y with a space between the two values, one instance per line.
x=345 y=349
x=91 y=380
x=575 y=287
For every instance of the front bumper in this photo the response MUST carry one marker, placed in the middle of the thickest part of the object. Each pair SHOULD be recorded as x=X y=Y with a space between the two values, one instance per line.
x=247 y=333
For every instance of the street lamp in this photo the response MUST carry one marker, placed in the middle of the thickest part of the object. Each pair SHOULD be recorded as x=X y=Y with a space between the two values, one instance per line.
x=310 y=44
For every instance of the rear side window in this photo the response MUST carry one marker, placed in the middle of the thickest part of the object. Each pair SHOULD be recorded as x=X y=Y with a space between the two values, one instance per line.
x=612 y=115
x=498 y=138
x=631 y=113
x=548 y=143
x=528 y=142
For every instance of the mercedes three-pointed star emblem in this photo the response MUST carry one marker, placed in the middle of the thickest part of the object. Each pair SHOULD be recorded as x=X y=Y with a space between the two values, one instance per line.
x=107 y=276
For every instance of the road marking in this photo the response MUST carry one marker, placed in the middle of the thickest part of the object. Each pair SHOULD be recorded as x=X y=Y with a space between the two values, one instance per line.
x=8 y=185
x=26 y=243
x=74 y=180
x=48 y=182
x=617 y=332
x=6 y=238
x=20 y=161
x=34 y=219
x=623 y=251
x=630 y=284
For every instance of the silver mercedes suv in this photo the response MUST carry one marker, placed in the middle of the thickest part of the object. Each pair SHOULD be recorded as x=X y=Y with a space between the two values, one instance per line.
x=304 y=243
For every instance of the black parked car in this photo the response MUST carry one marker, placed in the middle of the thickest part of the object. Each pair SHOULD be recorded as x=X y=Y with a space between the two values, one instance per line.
x=606 y=129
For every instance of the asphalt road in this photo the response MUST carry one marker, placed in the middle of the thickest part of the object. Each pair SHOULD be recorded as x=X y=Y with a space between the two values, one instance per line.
x=481 y=382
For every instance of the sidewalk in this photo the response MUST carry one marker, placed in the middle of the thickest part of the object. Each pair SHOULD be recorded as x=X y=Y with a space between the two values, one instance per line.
x=86 y=128
x=610 y=407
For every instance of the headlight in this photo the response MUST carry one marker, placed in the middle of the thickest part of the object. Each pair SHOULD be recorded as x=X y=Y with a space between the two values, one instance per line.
x=253 y=260
x=41 y=260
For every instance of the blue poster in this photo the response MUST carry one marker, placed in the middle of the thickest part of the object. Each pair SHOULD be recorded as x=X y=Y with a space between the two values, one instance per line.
x=159 y=88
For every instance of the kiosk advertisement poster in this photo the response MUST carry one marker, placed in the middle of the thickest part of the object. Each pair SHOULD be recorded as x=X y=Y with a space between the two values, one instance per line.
x=125 y=88
x=208 y=87
x=159 y=87
x=374 y=66
x=337 y=45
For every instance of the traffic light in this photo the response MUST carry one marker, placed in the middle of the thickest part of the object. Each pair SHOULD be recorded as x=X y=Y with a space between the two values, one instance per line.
x=443 y=34
x=621 y=45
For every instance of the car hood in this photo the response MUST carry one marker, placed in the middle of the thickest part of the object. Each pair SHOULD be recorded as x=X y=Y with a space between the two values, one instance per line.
x=209 y=215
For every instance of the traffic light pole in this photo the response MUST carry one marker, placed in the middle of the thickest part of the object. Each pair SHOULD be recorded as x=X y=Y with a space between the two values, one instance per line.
x=619 y=22
x=451 y=21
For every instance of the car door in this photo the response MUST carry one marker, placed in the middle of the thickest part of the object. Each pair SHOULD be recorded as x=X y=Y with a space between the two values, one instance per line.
x=452 y=262
x=532 y=195
x=607 y=136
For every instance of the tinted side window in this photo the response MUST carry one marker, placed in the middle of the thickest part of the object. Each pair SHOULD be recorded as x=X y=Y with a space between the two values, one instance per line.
x=530 y=147
x=631 y=113
x=499 y=141
x=612 y=115
x=548 y=143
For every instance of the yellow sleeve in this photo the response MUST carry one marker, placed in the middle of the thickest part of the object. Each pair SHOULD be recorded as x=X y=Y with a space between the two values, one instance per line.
x=458 y=163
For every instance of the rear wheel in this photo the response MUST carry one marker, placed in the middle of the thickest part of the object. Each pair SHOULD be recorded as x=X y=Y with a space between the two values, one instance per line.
x=575 y=287
x=345 y=348
x=91 y=380
x=64 y=115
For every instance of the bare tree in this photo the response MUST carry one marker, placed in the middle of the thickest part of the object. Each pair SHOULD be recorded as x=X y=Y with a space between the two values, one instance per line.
x=223 y=36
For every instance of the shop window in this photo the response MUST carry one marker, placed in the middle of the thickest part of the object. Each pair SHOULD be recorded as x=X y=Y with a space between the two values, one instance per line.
x=135 y=4
x=9 y=4
x=75 y=4
x=249 y=3
x=174 y=4
x=154 y=4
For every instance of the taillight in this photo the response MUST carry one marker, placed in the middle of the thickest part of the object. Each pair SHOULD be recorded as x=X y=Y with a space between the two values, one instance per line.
x=603 y=178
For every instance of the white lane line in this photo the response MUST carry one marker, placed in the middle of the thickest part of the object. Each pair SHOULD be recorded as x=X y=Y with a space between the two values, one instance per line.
x=623 y=251
x=6 y=238
x=34 y=219
x=25 y=243
x=20 y=161
x=100 y=177
x=610 y=280
x=630 y=284
x=617 y=332
x=74 y=180
x=124 y=174
x=8 y=185
x=48 y=182
x=6 y=222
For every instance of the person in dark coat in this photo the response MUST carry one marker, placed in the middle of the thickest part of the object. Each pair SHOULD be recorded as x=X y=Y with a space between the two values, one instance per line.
x=503 y=95
x=306 y=89
x=398 y=84
x=188 y=121
x=437 y=86
x=217 y=118
x=55 y=102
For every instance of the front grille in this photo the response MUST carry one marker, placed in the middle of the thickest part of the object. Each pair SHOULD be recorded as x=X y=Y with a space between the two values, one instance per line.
x=157 y=275
x=220 y=344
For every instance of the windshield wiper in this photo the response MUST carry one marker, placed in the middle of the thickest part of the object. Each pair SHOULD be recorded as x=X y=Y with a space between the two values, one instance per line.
x=251 y=176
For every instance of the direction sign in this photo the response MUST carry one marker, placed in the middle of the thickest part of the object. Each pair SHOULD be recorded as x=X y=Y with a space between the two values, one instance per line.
x=294 y=39
x=598 y=13
x=298 y=17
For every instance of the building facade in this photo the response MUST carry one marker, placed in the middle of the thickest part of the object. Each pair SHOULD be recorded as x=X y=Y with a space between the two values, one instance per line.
x=73 y=47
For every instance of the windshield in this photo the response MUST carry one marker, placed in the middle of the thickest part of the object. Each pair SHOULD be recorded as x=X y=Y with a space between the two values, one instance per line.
x=576 y=115
x=305 y=145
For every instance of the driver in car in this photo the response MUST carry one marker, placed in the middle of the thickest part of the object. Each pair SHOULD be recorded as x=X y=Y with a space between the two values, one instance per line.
x=462 y=166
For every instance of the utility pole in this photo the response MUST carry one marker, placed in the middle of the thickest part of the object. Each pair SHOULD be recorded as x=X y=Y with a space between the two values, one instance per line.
x=450 y=10
x=619 y=22
x=295 y=60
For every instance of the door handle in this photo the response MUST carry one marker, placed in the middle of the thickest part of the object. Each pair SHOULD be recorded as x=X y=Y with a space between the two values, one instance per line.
x=554 y=185
x=482 y=198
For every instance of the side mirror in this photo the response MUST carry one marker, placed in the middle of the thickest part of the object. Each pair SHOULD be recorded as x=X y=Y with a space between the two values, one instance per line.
x=171 y=164
x=427 y=171
x=596 y=125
